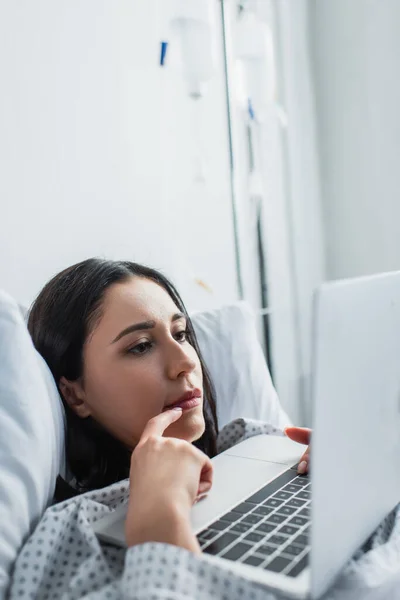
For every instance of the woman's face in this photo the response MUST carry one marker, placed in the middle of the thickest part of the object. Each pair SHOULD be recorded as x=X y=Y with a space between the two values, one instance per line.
x=137 y=361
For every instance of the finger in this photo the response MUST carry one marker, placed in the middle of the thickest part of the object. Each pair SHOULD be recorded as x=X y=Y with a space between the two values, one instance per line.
x=206 y=476
x=199 y=497
x=304 y=462
x=157 y=425
x=302 y=435
x=204 y=487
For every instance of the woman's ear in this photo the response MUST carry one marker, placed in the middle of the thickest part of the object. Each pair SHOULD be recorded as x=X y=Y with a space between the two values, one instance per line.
x=74 y=396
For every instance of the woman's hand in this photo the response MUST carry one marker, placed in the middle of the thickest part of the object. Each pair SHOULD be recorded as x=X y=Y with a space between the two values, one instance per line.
x=167 y=476
x=302 y=435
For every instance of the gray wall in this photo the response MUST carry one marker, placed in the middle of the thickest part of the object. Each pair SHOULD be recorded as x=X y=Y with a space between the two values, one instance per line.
x=356 y=52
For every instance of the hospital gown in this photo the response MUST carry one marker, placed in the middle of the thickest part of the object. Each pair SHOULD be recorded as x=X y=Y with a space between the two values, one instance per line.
x=63 y=558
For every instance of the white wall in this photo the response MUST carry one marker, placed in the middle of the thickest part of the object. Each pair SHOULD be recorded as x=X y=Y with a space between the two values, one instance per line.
x=356 y=52
x=97 y=151
x=304 y=213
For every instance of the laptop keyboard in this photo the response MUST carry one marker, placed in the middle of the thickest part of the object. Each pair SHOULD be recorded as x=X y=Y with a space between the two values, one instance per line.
x=270 y=529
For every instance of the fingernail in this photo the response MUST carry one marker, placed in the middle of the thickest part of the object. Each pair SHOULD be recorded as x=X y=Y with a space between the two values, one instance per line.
x=302 y=468
x=200 y=497
x=177 y=408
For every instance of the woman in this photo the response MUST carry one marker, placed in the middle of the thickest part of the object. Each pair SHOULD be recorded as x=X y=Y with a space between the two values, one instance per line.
x=138 y=398
x=123 y=352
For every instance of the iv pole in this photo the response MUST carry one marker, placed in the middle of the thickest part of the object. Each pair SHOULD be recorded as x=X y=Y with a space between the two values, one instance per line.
x=239 y=277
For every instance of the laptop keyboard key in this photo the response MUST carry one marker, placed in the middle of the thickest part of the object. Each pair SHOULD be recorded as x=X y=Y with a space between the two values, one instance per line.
x=254 y=537
x=273 y=502
x=296 y=502
x=288 y=530
x=277 y=519
x=283 y=495
x=286 y=510
x=298 y=567
x=278 y=540
x=254 y=561
x=240 y=527
x=293 y=550
x=206 y=535
x=263 y=510
x=266 y=528
x=252 y=519
x=278 y=564
x=291 y=488
x=266 y=549
x=219 y=525
x=304 y=512
x=298 y=521
x=304 y=495
x=272 y=487
x=220 y=543
x=301 y=480
x=300 y=540
x=231 y=516
x=243 y=508
x=237 y=551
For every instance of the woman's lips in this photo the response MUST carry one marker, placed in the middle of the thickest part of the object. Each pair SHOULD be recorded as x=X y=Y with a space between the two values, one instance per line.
x=186 y=404
x=187 y=401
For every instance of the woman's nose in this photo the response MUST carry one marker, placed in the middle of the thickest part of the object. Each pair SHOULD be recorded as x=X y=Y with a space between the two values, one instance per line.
x=179 y=362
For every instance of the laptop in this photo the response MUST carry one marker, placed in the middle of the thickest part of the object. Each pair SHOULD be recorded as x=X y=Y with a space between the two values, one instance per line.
x=295 y=533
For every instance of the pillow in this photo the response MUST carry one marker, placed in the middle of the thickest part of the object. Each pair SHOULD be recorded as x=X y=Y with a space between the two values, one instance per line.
x=32 y=436
x=228 y=340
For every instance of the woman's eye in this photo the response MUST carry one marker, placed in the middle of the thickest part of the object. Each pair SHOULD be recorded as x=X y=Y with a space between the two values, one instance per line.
x=181 y=336
x=141 y=348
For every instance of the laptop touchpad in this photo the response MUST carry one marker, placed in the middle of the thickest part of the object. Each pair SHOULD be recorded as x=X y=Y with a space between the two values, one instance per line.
x=270 y=448
x=237 y=476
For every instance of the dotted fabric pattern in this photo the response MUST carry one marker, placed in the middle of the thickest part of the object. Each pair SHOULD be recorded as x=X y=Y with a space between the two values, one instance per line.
x=181 y=574
x=63 y=559
x=240 y=429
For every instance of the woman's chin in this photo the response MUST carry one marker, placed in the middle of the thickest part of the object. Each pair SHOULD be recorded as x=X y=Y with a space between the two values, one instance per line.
x=189 y=427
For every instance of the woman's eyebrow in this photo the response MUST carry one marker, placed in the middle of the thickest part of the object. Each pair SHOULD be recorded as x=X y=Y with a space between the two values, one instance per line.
x=144 y=325
x=178 y=316
x=135 y=327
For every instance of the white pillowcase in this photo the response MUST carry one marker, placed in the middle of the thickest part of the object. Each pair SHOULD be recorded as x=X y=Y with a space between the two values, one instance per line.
x=32 y=420
x=31 y=440
x=228 y=340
